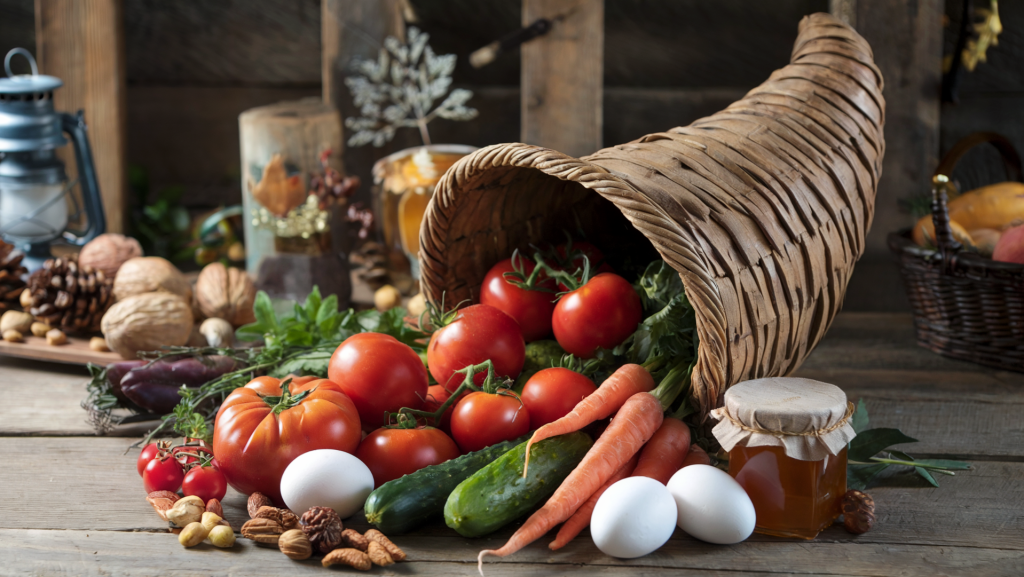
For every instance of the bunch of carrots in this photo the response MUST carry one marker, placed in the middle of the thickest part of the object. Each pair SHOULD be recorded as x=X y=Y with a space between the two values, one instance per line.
x=639 y=441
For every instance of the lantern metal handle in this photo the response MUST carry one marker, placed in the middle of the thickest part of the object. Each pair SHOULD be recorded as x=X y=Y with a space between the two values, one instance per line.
x=74 y=125
x=26 y=54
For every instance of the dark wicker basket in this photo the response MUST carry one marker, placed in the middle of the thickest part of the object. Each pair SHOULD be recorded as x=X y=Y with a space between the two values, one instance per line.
x=966 y=306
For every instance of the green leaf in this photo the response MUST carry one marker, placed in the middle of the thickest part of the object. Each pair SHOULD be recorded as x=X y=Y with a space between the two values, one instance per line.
x=873 y=441
x=327 y=309
x=312 y=306
x=860 y=476
x=927 y=476
x=945 y=464
x=250 y=332
x=314 y=363
x=859 y=420
x=264 y=311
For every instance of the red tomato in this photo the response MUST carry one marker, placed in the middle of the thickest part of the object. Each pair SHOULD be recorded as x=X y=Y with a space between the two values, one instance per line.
x=483 y=419
x=380 y=375
x=254 y=439
x=478 y=333
x=551 y=394
x=391 y=453
x=436 y=396
x=162 y=475
x=205 y=482
x=601 y=313
x=531 y=309
x=148 y=453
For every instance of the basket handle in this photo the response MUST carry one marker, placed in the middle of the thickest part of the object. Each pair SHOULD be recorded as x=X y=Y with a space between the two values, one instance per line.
x=943 y=187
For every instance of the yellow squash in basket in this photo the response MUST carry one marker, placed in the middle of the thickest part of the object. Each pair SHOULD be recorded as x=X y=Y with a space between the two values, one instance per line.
x=978 y=213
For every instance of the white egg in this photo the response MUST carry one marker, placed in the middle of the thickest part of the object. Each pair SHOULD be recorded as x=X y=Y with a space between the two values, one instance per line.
x=326 y=478
x=712 y=506
x=633 y=517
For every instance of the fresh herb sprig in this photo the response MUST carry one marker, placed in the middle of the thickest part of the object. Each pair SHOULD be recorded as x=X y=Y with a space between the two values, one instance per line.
x=870 y=453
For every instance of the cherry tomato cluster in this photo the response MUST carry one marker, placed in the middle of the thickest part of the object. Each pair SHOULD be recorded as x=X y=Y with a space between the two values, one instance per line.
x=188 y=467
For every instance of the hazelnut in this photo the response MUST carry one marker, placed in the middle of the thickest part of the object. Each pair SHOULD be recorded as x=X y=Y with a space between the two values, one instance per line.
x=192 y=535
x=294 y=544
x=222 y=536
x=99 y=344
x=386 y=298
x=13 y=336
x=210 y=520
x=56 y=337
x=40 y=329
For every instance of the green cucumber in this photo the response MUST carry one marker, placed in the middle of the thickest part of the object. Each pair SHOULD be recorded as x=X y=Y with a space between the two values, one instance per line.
x=405 y=503
x=498 y=494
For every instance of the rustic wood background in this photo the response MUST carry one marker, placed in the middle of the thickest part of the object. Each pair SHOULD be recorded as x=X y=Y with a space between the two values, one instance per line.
x=193 y=66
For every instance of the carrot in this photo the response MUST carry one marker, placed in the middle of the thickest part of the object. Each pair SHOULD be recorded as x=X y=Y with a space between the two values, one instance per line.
x=664 y=454
x=581 y=518
x=627 y=381
x=633 y=425
x=697 y=456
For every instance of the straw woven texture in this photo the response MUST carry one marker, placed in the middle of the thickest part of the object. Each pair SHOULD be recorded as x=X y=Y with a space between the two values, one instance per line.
x=762 y=208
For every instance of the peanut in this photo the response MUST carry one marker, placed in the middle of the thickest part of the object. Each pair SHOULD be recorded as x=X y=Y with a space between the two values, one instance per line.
x=192 y=535
x=210 y=520
x=222 y=536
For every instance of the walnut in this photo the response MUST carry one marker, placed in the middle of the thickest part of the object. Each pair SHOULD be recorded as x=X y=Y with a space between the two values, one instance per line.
x=858 y=512
x=148 y=274
x=294 y=544
x=226 y=293
x=257 y=500
x=352 y=557
x=323 y=528
x=146 y=322
x=107 y=252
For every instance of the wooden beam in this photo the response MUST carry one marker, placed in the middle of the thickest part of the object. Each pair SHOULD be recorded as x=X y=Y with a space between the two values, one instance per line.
x=82 y=43
x=563 y=76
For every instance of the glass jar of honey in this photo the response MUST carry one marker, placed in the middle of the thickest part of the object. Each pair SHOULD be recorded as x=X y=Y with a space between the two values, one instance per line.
x=787 y=440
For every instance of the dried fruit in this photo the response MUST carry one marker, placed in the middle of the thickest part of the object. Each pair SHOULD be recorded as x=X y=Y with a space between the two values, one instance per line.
x=13 y=336
x=352 y=538
x=210 y=520
x=107 y=252
x=264 y=531
x=392 y=549
x=222 y=536
x=146 y=322
x=323 y=528
x=352 y=557
x=56 y=337
x=186 y=510
x=858 y=512
x=162 y=501
x=15 y=320
x=193 y=534
x=257 y=500
x=148 y=274
x=226 y=293
x=99 y=344
x=40 y=329
x=294 y=544
x=214 y=506
x=284 y=517
x=379 y=555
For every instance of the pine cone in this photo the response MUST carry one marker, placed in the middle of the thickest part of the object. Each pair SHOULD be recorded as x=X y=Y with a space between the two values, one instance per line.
x=323 y=528
x=11 y=276
x=858 y=512
x=70 y=297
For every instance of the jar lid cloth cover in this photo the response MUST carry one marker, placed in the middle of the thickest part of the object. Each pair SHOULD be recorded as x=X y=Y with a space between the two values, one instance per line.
x=809 y=419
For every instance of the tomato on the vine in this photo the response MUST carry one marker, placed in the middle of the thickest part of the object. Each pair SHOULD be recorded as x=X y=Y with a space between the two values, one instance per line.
x=553 y=393
x=599 y=314
x=391 y=453
x=477 y=334
x=531 y=309
x=436 y=396
x=261 y=428
x=148 y=453
x=205 y=482
x=577 y=251
x=482 y=419
x=380 y=374
x=162 y=474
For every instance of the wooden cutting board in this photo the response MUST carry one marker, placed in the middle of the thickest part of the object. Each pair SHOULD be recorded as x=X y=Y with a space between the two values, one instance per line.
x=75 y=351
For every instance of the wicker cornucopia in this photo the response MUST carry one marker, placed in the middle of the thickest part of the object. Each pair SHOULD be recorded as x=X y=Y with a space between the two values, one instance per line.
x=762 y=208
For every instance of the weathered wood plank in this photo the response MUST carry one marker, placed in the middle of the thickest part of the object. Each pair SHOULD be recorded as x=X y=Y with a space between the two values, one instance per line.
x=562 y=76
x=979 y=508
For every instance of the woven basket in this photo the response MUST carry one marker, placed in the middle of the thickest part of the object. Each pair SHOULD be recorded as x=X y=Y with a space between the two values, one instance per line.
x=966 y=306
x=762 y=208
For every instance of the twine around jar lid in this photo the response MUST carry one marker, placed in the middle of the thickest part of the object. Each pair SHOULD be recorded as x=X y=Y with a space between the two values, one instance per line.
x=809 y=419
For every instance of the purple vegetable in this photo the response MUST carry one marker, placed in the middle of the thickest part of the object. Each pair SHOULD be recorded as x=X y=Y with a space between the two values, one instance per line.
x=116 y=372
x=155 y=387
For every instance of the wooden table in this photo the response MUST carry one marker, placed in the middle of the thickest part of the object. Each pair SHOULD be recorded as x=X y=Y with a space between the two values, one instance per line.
x=73 y=503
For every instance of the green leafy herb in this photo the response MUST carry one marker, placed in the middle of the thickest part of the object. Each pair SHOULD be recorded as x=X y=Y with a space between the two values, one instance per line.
x=870 y=453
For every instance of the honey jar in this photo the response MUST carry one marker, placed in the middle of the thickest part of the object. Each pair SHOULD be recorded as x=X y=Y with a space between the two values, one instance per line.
x=787 y=440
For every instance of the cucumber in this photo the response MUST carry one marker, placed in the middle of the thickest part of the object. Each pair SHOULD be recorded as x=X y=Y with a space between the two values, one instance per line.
x=498 y=494
x=405 y=503
x=540 y=355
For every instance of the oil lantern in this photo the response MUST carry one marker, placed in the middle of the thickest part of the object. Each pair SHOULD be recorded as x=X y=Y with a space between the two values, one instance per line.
x=34 y=189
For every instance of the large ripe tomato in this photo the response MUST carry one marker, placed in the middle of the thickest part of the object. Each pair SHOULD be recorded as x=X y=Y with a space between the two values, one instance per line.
x=162 y=475
x=483 y=419
x=205 y=482
x=380 y=374
x=257 y=433
x=391 y=453
x=531 y=309
x=478 y=333
x=601 y=313
x=551 y=394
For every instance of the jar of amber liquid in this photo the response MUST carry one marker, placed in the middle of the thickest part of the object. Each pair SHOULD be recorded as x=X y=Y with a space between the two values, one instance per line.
x=787 y=442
